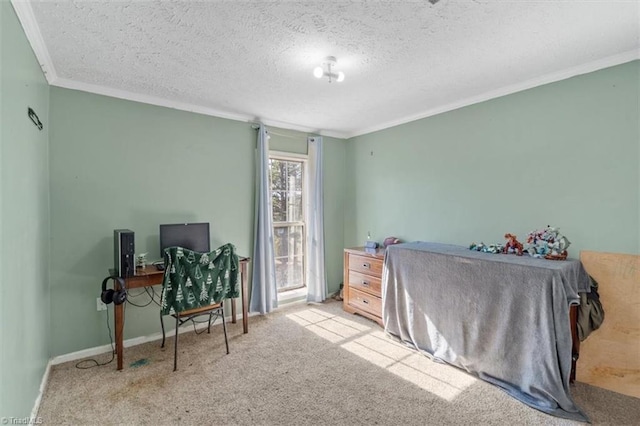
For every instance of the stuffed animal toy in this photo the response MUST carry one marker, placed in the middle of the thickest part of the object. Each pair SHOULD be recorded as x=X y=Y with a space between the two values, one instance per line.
x=491 y=248
x=547 y=243
x=513 y=245
x=391 y=241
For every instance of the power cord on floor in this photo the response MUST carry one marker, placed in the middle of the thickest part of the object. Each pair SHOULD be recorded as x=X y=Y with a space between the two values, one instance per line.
x=95 y=362
x=151 y=292
x=195 y=321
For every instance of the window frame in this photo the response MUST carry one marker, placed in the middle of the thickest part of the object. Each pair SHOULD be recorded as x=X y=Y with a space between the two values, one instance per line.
x=304 y=159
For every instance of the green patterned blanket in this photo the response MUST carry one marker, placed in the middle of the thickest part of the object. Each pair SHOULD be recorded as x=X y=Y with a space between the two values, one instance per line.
x=194 y=280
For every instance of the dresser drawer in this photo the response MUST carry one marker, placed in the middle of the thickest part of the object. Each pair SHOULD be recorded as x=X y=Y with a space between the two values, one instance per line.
x=367 y=283
x=366 y=265
x=363 y=282
x=365 y=302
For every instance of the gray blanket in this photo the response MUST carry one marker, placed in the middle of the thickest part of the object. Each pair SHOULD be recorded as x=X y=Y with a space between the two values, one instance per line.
x=502 y=318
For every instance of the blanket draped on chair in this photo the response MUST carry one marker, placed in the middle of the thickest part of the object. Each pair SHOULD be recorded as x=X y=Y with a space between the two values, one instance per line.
x=194 y=280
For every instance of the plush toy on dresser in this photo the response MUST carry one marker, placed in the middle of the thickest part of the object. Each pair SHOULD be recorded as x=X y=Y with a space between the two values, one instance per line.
x=513 y=245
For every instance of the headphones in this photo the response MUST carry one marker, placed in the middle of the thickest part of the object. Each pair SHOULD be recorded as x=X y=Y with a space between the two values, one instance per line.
x=118 y=297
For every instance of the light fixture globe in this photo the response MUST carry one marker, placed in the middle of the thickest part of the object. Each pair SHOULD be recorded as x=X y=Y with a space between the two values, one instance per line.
x=330 y=61
x=327 y=70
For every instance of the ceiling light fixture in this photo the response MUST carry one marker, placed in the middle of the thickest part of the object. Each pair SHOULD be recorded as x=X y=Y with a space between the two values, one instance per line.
x=327 y=70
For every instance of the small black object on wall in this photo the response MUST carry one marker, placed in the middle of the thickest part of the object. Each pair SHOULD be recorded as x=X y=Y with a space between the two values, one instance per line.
x=34 y=117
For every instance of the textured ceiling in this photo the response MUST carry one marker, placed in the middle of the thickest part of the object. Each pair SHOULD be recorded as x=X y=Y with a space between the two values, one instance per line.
x=253 y=60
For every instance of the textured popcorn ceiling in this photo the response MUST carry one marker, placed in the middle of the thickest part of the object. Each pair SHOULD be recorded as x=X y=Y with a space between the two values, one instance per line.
x=253 y=60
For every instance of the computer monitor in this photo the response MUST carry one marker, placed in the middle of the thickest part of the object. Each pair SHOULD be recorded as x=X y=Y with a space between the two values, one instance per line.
x=193 y=236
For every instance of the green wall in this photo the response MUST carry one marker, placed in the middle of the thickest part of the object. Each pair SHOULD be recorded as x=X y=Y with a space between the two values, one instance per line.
x=24 y=221
x=564 y=154
x=121 y=164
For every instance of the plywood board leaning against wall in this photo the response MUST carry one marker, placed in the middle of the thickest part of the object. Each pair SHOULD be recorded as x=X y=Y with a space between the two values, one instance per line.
x=610 y=356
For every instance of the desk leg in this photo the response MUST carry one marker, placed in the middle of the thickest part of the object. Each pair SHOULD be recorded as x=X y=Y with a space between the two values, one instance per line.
x=119 y=324
x=245 y=314
x=233 y=311
x=575 y=341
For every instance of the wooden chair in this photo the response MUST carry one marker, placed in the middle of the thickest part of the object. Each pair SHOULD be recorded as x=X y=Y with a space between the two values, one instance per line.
x=195 y=284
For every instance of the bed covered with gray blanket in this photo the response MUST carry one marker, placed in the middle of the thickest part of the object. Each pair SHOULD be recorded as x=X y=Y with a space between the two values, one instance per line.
x=503 y=318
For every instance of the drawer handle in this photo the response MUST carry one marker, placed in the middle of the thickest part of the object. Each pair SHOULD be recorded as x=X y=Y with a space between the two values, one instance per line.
x=366 y=265
x=365 y=283
x=365 y=301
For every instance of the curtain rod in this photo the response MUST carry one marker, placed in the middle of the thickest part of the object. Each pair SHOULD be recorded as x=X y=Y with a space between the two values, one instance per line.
x=256 y=126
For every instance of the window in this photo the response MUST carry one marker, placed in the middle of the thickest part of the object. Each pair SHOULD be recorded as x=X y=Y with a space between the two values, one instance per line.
x=289 y=223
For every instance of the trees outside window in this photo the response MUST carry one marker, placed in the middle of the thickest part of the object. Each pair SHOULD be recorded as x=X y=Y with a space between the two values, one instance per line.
x=289 y=225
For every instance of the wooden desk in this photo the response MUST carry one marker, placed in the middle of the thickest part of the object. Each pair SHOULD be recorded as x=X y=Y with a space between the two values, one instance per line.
x=150 y=276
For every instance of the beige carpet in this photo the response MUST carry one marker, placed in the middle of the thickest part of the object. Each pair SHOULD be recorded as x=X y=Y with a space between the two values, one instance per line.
x=304 y=364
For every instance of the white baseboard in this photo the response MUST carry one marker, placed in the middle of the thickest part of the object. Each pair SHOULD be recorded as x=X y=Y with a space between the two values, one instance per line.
x=98 y=350
x=43 y=386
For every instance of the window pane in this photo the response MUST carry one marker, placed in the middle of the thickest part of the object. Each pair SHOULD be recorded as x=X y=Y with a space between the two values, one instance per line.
x=279 y=203
x=287 y=202
x=289 y=246
x=296 y=207
x=289 y=274
x=294 y=174
x=286 y=190
x=278 y=174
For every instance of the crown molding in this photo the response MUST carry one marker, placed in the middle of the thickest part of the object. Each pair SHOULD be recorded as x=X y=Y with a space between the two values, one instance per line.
x=32 y=30
x=503 y=91
x=599 y=64
x=182 y=106
x=145 y=99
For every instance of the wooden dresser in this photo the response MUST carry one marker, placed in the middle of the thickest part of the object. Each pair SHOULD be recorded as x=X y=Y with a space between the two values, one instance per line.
x=363 y=282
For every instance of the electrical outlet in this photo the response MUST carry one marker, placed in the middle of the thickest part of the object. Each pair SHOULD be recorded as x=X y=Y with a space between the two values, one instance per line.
x=100 y=305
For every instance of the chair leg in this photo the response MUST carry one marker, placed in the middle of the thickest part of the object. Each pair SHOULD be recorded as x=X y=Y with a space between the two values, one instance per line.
x=224 y=327
x=175 y=351
x=209 y=327
x=162 y=325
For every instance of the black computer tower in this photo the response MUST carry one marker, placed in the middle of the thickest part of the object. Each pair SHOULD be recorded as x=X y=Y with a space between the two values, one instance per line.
x=124 y=253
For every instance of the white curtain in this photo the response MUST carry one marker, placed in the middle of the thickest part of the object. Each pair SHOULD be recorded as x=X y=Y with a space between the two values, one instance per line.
x=316 y=281
x=264 y=295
